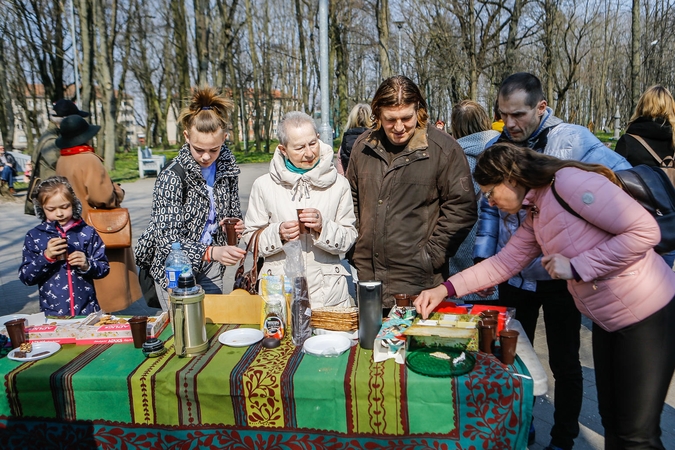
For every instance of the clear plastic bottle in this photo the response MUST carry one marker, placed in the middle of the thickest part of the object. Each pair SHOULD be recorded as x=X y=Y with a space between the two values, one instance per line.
x=176 y=263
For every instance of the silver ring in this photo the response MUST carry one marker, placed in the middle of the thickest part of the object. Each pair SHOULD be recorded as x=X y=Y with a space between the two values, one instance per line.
x=317 y=215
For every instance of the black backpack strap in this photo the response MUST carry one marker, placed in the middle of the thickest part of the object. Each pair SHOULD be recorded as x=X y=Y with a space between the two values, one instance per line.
x=562 y=202
x=179 y=170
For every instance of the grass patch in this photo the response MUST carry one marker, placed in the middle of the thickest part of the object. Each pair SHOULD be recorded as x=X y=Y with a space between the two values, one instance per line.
x=126 y=164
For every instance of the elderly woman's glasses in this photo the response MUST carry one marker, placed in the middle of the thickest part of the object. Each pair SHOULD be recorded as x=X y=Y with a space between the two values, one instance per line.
x=488 y=194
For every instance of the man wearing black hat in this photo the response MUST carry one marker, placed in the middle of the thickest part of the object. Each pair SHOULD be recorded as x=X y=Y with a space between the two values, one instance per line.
x=46 y=152
x=94 y=188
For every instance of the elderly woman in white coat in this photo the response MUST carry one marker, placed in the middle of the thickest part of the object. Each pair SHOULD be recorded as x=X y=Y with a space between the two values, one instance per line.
x=302 y=176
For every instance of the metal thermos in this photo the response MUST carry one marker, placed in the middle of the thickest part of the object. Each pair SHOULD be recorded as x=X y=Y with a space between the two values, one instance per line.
x=187 y=317
x=369 y=296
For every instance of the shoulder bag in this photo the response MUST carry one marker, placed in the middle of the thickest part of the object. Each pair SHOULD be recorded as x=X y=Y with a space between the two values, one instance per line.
x=651 y=188
x=247 y=280
x=113 y=225
x=666 y=164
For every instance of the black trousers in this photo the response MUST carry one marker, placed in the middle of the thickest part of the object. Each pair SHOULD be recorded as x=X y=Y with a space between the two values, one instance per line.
x=633 y=369
x=563 y=324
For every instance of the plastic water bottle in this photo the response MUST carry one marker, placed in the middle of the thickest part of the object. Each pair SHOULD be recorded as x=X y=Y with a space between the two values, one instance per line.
x=176 y=263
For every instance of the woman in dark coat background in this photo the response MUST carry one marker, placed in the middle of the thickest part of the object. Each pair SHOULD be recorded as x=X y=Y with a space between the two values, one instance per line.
x=653 y=121
x=359 y=120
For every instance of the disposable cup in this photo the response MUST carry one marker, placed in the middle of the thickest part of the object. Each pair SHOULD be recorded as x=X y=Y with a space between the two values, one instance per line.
x=402 y=299
x=486 y=335
x=231 y=231
x=490 y=314
x=16 y=330
x=139 y=325
x=508 y=340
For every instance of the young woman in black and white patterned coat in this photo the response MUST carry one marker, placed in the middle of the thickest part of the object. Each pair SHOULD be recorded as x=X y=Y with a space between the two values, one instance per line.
x=191 y=209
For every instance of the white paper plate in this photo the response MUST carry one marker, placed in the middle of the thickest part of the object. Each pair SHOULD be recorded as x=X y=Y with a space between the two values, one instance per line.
x=327 y=345
x=9 y=317
x=38 y=347
x=240 y=337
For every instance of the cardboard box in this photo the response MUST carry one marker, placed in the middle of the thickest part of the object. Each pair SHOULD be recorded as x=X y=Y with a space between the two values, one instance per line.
x=430 y=333
x=63 y=333
x=238 y=307
x=41 y=329
x=88 y=332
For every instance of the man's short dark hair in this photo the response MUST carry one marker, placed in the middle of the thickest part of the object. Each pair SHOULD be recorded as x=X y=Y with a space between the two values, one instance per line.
x=523 y=81
x=396 y=91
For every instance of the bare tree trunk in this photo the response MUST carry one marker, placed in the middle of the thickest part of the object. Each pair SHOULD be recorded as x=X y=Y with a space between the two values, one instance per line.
x=226 y=77
x=87 y=42
x=635 y=56
x=6 y=110
x=382 y=15
x=256 y=77
x=202 y=33
x=304 y=90
x=511 y=42
x=178 y=15
x=104 y=71
x=341 y=65
x=549 y=19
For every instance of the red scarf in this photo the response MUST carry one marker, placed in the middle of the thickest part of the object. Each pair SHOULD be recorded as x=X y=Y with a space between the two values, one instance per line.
x=77 y=149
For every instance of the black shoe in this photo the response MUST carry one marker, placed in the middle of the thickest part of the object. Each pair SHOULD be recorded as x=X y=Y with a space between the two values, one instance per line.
x=531 y=435
x=553 y=447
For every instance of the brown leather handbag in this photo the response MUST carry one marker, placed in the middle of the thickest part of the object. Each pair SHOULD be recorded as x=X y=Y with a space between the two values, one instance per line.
x=248 y=280
x=113 y=225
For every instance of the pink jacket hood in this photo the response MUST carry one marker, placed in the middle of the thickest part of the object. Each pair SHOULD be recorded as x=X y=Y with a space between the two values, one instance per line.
x=623 y=280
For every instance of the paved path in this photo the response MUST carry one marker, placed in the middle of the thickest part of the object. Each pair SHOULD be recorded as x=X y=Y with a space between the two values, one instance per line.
x=17 y=298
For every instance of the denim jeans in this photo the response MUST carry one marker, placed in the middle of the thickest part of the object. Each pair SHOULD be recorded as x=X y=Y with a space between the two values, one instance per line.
x=563 y=324
x=7 y=175
x=633 y=369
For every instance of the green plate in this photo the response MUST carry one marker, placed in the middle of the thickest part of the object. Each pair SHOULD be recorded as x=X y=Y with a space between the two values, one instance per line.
x=421 y=361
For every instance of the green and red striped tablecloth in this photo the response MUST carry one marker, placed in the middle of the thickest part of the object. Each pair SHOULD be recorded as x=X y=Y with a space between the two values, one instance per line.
x=111 y=396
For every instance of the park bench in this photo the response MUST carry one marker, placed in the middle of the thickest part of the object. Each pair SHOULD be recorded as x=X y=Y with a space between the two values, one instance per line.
x=21 y=160
x=149 y=163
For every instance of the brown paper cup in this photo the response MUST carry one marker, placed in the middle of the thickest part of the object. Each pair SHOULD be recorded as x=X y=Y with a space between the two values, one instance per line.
x=490 y=314
x=508 y=339
x=139 y=325
x=303 y=228
x=230 y=231
x=16 y=330
x=486 y=335
x=402 y=299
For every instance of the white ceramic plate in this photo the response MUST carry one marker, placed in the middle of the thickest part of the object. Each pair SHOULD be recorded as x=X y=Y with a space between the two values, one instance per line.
x=9 y=317
x=327 y=345
x=38 y=347
x=240 y=337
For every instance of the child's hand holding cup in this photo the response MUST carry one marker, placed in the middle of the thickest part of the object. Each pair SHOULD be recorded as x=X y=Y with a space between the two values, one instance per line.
x=57 y=248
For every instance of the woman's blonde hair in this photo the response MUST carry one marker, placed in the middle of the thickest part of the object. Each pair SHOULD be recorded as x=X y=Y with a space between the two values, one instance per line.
x=468 y=117
x=360 y=117
x=207 y=111
x=656 y=103
x=505 y=161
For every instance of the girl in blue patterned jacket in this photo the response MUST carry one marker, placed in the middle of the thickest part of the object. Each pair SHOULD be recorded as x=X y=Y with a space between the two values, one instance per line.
x=63 y=255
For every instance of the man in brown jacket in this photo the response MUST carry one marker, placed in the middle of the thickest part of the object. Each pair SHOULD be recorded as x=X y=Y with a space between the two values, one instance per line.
x=413 y=194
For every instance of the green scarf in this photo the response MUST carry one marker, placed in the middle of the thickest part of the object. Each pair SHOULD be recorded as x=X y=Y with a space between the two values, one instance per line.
x=293 y=169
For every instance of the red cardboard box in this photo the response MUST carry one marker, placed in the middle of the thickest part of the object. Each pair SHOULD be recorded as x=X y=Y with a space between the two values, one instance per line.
x=117 y=333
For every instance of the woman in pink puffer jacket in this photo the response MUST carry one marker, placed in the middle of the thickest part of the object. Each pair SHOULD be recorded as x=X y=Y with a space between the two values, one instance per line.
x=616 y=278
